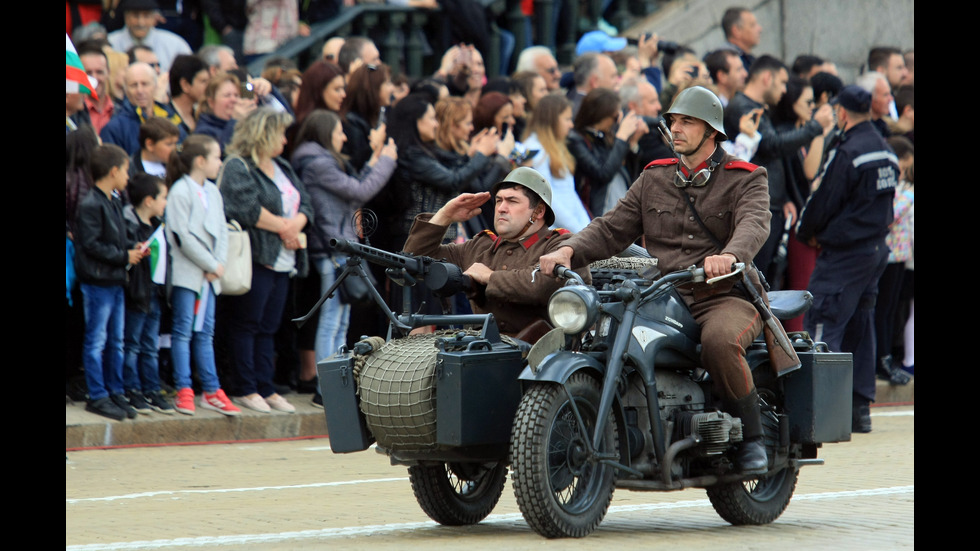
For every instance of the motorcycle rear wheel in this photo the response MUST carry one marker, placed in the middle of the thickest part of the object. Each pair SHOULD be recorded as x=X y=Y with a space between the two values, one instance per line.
x=756 y=501
x=560 y=492
x=456 y=494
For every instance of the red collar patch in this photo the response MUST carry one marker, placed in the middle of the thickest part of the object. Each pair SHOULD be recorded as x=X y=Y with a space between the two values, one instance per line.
x=662 y=162
x=743 y=165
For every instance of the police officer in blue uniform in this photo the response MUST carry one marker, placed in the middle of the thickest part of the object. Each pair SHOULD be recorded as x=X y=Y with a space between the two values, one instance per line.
x=848 y=216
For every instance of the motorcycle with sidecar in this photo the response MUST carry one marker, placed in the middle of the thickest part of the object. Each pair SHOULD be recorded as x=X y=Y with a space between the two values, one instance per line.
x=612 y=397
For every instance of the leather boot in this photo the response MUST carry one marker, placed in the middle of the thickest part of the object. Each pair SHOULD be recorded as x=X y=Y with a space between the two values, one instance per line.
x=751 y=458
x=860 y=415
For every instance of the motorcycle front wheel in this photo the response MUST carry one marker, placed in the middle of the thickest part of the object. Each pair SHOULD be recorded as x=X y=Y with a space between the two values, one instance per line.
x=458 y=494
x=561 y=491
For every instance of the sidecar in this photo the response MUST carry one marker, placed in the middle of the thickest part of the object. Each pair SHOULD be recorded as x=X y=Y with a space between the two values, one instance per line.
x=386 y=390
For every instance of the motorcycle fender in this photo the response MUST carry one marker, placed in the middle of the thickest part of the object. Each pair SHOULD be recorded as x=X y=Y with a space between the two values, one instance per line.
x=559 y=366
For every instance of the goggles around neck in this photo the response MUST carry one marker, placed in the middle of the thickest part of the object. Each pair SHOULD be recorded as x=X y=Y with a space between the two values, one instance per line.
x=701 y=177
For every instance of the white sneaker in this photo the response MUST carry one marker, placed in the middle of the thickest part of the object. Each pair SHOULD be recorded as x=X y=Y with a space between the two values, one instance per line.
x=253 y=402
x=279 y=403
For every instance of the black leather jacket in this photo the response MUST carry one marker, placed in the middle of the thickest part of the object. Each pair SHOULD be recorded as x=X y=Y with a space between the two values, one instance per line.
x=102 y=241
x=596 y=163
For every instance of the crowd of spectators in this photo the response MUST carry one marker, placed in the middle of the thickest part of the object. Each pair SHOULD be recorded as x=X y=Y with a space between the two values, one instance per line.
x=301 y=153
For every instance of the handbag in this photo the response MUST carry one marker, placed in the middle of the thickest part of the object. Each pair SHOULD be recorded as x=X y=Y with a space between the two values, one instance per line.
x=353 y=290
x=237 y=279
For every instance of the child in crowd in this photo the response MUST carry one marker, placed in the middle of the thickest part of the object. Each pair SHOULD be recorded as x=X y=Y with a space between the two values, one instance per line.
x=158 y=139
x=198 y=238
x=141 y=376
x=103 y=253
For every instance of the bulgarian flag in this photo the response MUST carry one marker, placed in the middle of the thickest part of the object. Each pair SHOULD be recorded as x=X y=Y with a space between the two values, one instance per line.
x=157 y=245
x=76 y=81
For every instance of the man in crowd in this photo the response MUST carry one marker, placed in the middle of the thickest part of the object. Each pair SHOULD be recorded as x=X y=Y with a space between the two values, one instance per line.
x=661 y=207
x=882 y=101
x=639 y=96
x=140 y=17
x=500 y=264
x=727 y=72
x=540 y=60
x=592 y=71
x=765 y=87
x=357 y=51
x=96 y=65
x=743 y=32
x=848 y=216
x=139 y=105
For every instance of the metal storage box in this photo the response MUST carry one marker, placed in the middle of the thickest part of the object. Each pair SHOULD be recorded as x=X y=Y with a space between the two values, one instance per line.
x=477 y=396
x=345 y=423
x=818 y=398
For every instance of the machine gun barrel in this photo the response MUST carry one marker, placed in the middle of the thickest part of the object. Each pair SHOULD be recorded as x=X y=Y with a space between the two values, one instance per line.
x=415 y=266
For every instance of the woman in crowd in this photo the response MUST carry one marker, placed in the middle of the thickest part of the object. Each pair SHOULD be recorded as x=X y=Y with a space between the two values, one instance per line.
x=455 y=150
x=336 y=192
x=548 y=128
x=794 y=110
x=533 y=88
x=198 y=238
x=434 y=175
x=265 y=196
x=368 y=96
x=223 y=105
x=494 y=110
x=600 y=178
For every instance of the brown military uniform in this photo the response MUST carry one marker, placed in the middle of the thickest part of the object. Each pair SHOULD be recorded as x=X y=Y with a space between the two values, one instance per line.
x=510 y=296
x=734 y=205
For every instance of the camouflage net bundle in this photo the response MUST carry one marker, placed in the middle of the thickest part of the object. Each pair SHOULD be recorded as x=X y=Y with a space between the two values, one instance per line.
x=397 y=386
x=634 y=264
x=603 y=271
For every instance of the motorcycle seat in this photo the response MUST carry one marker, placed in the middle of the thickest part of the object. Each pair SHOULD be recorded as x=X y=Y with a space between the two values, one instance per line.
x=786 y=305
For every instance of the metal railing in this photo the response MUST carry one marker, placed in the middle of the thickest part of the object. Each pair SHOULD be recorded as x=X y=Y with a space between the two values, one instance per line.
x=404 y=28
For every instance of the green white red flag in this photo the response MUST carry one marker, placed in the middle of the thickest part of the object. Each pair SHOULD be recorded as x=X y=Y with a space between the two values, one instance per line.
x=76 y=81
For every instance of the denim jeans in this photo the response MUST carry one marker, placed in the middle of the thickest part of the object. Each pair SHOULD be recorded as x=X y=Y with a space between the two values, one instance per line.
x=141 y=370
x=331 y=331
x=186 y=342
x=253 y=321
x=102 y=352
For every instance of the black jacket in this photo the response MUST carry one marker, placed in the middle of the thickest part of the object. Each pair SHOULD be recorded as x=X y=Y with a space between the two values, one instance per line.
x=774 y=146
x=596 y=163
x=102 y=241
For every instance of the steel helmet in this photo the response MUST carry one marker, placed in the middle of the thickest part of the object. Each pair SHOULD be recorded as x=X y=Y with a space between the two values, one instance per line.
x=700 y=103
x=534 y=181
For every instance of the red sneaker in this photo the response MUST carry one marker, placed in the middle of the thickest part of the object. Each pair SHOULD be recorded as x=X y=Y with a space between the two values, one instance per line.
x=219 y=402
x=185 y=401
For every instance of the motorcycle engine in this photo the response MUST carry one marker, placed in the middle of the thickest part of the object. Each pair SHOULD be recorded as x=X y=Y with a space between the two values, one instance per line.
x=715 y=430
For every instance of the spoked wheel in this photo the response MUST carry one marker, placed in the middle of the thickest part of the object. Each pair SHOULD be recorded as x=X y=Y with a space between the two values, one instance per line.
x=457 y=494
x=757 y=501
x=760 y=500
x=561 y=491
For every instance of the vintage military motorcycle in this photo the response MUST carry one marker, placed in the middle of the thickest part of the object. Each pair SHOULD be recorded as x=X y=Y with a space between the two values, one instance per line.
x=612 y=397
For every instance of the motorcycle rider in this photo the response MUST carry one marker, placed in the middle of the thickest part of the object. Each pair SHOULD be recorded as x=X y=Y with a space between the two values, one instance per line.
x=500 y=264
x=710 y=208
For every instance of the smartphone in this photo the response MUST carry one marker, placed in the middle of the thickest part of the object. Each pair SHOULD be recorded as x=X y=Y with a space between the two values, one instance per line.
x=382 y=117
x=504 y=128
x=247 y=91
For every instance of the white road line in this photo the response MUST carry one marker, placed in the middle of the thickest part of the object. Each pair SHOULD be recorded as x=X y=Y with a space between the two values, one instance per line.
x=909 y=413
x=382 y=529
x=233 y=490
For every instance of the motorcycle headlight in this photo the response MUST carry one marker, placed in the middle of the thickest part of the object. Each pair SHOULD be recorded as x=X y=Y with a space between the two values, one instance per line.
x=573 y=309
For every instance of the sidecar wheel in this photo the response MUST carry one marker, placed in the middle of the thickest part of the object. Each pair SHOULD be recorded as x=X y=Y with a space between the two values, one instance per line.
x=458 y=494
x=757 y=501
x=560 y=491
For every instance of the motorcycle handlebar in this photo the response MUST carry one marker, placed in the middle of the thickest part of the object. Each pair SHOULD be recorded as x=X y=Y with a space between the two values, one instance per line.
x=568 y=274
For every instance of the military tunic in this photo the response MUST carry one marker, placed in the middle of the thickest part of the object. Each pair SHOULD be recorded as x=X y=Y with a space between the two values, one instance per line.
x=734 y=205
x=510 y=296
